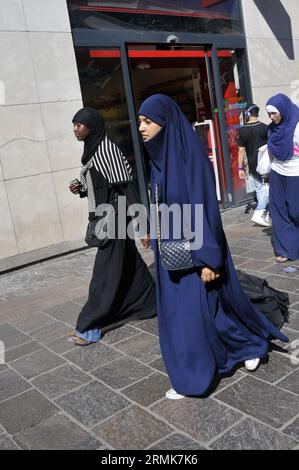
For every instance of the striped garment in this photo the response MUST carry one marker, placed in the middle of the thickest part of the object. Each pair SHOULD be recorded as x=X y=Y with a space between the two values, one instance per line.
x=111 y=163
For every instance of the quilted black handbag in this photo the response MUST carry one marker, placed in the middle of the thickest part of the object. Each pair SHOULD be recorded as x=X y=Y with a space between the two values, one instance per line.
x=175 y=254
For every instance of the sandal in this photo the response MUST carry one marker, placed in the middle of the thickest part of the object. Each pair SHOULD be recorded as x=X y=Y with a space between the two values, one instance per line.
x=78 y=341
x=281 y=259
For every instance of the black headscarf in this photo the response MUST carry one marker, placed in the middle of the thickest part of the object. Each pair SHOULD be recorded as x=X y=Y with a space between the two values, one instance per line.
x=91 y=119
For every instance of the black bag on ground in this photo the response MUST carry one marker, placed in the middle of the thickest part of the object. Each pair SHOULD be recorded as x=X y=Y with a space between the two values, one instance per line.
x=271 y=302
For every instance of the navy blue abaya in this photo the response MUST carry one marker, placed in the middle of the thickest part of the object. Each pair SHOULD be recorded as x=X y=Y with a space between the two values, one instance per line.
x=283 y=204
x=203 y=329
x=284 y=210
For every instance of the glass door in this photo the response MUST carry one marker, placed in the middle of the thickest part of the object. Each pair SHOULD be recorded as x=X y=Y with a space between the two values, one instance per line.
x=102 y=85
x=181 y=73
x=233 y=90
x=207 y=85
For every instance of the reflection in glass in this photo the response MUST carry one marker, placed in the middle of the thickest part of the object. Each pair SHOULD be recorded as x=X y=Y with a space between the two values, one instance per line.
x=180 y=73
x=235 y=101
x=103 y=89
x=193 y=16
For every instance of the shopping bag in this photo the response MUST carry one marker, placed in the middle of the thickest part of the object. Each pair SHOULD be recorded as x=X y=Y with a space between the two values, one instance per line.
x=249 y=182
x=263 y=161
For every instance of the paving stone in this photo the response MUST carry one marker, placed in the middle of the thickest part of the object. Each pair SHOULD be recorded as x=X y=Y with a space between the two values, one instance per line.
x=277 y=269
x=29 y=321
x=288 y=348
x=127 y=430
x=21 y=303
x=3 y=318
x=51 y=332
x=293 y=322
x=81 y=300
x=144 y=347
x=61 y=380
x=12 y=384
x=150 y=326
x=293 y=429
x=291 y=382
x=202 y=419
x=224 y=381
x=119 y=334
x=237 y=250
x=43 y=298
x=147 y=391
x=92 y=356
x=22 y=351
x=263 y=401
x=264 y=235
x=252 y=435
x=256 y=265
x=67 y=312
x=62 y=345
x=259 y=254
x=92 y=403
x=239 y=260
x=251 y=243
x=24 y=411
x=177 y=442
x=11 y=337
x=283 y=283
x=6 y=443
x=122 y=372
x=294 y=301
x=60 y=281
x=57 y=433
x=264 y=245
x=158 y=364
x=37 y=363
x=277 y=366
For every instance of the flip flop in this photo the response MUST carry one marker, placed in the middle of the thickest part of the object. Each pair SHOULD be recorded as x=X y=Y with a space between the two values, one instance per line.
x=281 y=259
x=78 y=341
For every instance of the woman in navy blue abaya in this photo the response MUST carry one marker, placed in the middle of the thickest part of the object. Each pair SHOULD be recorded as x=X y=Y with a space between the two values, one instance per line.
x=206 y=323
x=283 y=144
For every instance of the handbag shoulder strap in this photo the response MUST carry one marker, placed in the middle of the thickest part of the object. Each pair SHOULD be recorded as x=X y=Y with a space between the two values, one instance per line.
x=157 y=215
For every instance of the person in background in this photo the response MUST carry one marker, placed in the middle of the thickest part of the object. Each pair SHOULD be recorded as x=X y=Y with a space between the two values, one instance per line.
x=252 y=136
x=121 y=287
x=283 y=146
x=206 y=323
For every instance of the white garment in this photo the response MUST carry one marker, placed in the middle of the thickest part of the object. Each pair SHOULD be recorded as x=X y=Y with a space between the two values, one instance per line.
x=289 y=167
x=271 y=109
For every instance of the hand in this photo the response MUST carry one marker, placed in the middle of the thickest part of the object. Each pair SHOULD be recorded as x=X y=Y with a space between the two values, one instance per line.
x=74 y=186
x=242 y=174
x=146 y=242
x=208 y=275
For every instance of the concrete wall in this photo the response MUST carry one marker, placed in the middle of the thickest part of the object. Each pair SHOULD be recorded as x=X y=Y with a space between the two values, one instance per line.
x=39 y=93
x=272 y=31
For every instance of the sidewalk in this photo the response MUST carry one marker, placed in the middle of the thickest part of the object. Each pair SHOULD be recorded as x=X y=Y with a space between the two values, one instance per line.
x=54 y=395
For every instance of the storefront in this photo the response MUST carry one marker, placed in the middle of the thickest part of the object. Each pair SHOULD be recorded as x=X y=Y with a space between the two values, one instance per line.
x=191 y=50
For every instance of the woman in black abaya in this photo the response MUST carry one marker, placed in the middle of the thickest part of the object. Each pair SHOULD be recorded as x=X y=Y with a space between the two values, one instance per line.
x=121 y=287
